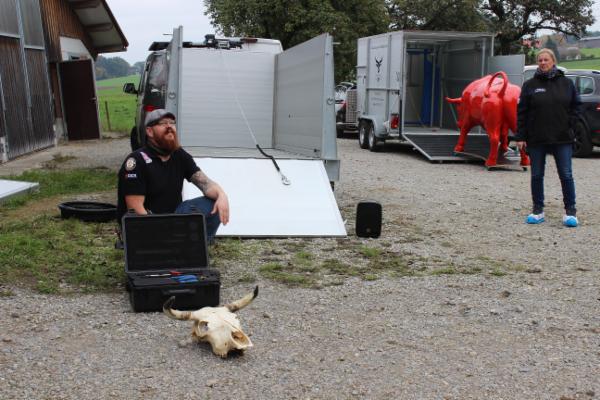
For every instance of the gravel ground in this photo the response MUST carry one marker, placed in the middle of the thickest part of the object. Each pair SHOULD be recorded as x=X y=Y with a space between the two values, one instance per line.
x=523 y=324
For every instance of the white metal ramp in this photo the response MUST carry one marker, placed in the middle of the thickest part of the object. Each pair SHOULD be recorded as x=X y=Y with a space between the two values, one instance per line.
x=261 y=206
x=12 y=188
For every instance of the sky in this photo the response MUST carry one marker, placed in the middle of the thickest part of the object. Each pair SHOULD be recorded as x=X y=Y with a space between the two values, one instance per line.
x=144 y=25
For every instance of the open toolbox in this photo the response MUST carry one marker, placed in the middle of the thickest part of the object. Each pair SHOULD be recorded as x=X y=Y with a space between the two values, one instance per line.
x=166 y=255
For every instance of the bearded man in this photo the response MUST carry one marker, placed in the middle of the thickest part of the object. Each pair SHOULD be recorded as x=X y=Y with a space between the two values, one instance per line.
x=151 y=178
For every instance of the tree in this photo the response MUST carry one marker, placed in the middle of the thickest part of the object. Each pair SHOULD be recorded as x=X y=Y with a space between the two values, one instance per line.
x=436 y=15
x=293 y=22
x=138 y=67
x=551 y=44
x=111 y=67
x=513 y=19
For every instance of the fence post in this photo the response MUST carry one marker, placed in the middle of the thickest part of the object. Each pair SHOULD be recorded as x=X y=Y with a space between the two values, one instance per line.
x=107 y=115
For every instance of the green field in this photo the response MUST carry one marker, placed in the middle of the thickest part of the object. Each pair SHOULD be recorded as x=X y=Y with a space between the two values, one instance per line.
x=581 y=64
x=593 y=63
x=591 y=52
x=121 y=106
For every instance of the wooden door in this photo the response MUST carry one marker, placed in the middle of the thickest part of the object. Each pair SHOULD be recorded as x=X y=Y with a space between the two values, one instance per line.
x=79 y=99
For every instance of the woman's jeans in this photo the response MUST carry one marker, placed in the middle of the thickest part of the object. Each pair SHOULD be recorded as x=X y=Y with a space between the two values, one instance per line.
x=203 y=205
x=562 y=156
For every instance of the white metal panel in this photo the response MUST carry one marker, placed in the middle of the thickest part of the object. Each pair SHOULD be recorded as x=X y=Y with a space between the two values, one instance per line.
x=300 y=97
x=262 y=206
x=396 y=61
x=361 y=52
x=511 y=65
x=11 y=188
x=378 y=62
x=209 y=114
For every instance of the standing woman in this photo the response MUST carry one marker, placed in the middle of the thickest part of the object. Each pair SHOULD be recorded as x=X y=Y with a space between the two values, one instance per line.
x=548 y=107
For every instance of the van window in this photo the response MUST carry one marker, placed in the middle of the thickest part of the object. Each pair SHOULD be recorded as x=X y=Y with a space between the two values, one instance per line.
x=157 y=73
x=585 y=85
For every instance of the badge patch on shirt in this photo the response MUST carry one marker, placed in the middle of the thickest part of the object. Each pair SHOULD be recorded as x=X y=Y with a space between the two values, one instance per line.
x=539 y=90
x=130 y=164
x=146 y=158
x=131 y=175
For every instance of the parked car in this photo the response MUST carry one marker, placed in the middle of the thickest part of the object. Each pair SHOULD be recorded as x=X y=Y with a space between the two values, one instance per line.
x=340 y=105
x=529 y=70
x=151 y=90
x=587 y=130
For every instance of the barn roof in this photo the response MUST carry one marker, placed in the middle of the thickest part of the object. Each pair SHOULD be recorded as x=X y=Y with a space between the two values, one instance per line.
x=100 y=24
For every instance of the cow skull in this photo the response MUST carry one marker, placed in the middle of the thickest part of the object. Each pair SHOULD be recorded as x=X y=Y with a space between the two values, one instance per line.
x=218 y=326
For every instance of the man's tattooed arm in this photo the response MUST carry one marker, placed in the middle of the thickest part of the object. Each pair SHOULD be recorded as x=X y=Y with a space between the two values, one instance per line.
x=202 y=181
x=212 y=190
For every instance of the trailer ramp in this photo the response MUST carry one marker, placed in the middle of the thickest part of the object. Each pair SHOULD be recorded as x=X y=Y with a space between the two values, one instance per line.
x=261 y=206
x=440 y=146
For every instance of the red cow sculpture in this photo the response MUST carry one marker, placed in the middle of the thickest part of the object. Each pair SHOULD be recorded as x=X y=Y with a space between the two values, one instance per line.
x=492 y=103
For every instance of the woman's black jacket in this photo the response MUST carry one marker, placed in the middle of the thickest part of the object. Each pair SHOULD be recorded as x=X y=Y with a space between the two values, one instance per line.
x=547 y=110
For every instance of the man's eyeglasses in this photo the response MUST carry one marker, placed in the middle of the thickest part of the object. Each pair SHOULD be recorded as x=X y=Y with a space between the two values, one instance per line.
x=166 y=123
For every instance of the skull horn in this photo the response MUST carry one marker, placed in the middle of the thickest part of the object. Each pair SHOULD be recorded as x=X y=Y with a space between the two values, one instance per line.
x=243 y=302
x=175 y=314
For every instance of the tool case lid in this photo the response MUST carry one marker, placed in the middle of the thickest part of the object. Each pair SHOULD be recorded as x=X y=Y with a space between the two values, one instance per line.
x=164 y=242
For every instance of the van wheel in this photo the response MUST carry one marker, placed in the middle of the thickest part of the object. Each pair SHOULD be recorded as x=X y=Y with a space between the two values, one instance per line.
x=373 y=141
x=135 y=144
x=583 y=143
x=363 y=134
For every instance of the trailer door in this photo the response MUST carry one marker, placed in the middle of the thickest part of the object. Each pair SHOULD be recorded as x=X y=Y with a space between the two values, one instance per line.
x=304 y=99
x=511 y=65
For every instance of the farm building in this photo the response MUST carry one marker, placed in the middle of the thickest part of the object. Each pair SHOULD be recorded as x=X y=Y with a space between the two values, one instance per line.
x=592 y=42
x=47 y=85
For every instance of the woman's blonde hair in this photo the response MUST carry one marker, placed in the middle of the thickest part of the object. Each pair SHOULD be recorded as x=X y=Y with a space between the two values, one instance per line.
x=547 y=51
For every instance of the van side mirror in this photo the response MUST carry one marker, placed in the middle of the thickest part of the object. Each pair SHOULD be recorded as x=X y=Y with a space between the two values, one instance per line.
x=130 y=88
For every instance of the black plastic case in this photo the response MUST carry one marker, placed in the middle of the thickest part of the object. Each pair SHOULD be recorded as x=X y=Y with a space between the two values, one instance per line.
x=159 y=248
x=368 y=219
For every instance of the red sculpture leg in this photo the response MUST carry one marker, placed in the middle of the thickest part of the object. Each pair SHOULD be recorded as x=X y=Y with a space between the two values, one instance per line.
x=462 y=138
x=494 y=137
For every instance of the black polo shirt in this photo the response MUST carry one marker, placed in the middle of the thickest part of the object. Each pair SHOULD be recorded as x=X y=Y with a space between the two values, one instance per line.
x=144 y=173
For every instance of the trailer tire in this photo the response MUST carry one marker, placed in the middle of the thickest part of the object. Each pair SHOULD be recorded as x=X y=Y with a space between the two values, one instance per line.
x=363 y=134
x=583 y=146
x=373 y=142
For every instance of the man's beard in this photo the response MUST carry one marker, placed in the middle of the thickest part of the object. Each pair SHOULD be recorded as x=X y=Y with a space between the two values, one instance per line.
x=167 y=144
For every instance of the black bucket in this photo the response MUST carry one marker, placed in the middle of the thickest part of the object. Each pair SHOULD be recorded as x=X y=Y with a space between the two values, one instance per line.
x=88 y=211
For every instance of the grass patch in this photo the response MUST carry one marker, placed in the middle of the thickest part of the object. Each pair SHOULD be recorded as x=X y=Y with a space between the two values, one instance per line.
x=444 y=271
x=246 y=278
x=370 y=252
x=58 y=159
x=53 y=255
x=336 y=267
x=47 y=252
x=497 y=272
x=304 y=260
x=227 y=248
x=121 y=106
x=286 y=275
x=54 y=183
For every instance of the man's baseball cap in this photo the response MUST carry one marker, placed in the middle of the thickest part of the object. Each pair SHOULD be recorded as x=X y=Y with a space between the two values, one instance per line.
x=154 y=116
